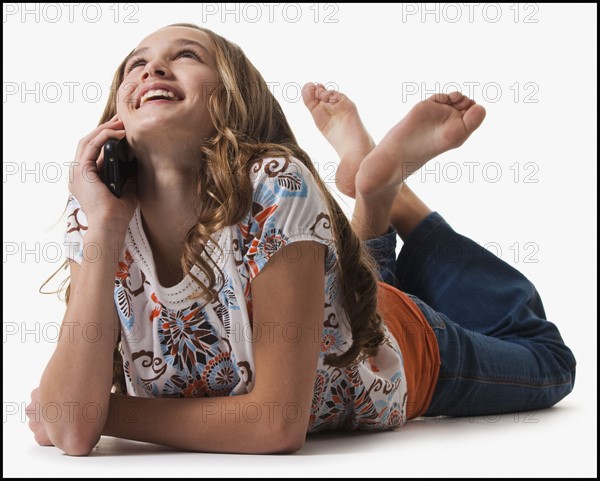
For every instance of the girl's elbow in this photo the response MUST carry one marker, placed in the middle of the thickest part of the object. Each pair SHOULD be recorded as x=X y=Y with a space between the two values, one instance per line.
x=76 y=441
x=79 y=447
x=291 y=445
x=287 y=440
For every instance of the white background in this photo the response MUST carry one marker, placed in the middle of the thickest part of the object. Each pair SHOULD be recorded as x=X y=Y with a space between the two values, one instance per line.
x=530 y=197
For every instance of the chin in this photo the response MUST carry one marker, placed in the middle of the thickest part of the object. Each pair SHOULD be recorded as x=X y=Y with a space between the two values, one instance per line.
x=152 y=124
x=152 y=120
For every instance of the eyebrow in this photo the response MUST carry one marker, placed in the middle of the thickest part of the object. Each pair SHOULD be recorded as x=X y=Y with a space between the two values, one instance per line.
x=180 y=42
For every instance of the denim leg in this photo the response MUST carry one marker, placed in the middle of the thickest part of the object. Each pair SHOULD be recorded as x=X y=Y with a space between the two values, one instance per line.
x=483 y=375
x=383 y=250
x=498 y=352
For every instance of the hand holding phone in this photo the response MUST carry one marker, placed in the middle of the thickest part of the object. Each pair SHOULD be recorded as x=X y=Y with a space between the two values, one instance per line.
x=117 y=166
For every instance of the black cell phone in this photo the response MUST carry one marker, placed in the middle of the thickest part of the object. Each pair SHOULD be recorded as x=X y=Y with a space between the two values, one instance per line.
x=117 y=165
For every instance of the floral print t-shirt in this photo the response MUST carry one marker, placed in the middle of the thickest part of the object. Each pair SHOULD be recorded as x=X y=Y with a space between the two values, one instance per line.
x=172 y=346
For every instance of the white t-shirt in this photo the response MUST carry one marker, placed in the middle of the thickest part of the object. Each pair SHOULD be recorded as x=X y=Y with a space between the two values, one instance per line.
x=173 y=348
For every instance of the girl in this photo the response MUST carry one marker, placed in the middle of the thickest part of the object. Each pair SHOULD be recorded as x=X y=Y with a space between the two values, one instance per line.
x=245 y=309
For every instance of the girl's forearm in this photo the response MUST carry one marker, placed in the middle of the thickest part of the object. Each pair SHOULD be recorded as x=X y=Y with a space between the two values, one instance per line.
x=75 y=386
x=231 y=424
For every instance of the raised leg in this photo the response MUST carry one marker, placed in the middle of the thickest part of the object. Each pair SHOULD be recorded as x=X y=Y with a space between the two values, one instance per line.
x=499 y=353
x=375 y=175
x=408 y=210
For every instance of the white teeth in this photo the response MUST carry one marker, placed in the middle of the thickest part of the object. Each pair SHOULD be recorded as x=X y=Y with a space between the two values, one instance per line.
x=157 y=93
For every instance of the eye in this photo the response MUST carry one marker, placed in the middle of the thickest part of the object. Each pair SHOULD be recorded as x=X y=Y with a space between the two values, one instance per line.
x=190 y=54
x=134 y=63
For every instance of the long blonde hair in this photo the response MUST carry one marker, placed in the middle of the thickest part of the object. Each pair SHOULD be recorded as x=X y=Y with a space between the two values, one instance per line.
x=250 y=124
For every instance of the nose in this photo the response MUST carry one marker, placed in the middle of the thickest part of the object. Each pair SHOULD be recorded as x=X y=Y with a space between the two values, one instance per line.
x=154 y=67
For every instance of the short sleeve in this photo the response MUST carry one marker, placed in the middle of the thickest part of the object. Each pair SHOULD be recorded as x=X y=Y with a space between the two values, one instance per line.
x=76 y=228
x=287 y=206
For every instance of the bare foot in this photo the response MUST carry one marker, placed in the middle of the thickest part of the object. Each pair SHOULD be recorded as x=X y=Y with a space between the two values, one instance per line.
x=440 y=123
x=337 y=118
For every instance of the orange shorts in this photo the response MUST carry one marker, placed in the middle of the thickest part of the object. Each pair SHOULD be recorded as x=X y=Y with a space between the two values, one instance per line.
x=418 y=345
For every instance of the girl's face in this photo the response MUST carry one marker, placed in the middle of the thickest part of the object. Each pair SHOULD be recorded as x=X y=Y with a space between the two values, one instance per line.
x=166 y=85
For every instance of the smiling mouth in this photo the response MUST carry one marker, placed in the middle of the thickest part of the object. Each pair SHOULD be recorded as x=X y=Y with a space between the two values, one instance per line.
x=158 y=95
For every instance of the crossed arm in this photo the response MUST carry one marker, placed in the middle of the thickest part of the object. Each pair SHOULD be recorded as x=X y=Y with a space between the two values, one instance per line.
x=288 y=303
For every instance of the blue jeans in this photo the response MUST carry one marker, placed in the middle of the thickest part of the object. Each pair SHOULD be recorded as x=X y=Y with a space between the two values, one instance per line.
x=498 y=352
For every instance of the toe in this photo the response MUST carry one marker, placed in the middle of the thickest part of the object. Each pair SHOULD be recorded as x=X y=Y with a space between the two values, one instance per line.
x=309 y=95
x=440 y=98
x=456 y=97
x=460 y=101
x=322 y=93
x=474 y=117
x=329 y=96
